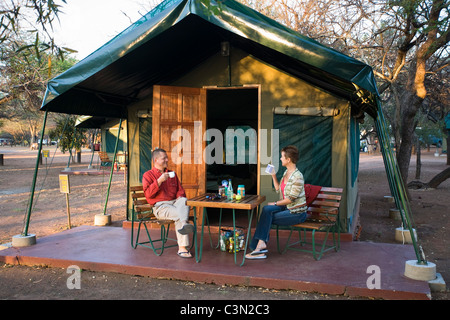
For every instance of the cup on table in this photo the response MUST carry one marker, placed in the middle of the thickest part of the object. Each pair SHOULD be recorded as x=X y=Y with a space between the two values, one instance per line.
x=270 y=169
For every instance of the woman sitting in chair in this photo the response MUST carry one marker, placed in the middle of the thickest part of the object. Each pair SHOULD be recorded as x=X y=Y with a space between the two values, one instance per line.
x=289 y=210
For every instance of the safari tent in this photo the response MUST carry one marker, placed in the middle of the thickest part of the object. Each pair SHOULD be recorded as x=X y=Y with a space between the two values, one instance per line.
x=108 y=130
x=184 y=67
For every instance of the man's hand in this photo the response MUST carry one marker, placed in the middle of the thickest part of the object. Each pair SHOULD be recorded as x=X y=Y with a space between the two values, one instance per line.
x=163 y=178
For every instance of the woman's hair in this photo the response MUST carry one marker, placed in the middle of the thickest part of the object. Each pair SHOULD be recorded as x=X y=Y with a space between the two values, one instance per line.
x=291 y=152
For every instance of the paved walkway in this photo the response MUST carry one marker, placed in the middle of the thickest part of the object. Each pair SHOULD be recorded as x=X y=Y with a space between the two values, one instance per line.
x=108 y=249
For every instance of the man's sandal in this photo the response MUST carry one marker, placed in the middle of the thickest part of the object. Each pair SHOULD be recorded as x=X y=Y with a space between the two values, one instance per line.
x=185 y=254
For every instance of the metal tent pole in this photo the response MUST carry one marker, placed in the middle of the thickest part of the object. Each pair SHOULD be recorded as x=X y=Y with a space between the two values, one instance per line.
x=112 y=167
x=33 y=184
x=396 y=183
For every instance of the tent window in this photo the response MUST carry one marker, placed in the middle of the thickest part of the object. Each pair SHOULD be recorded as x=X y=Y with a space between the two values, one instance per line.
x=313 y=138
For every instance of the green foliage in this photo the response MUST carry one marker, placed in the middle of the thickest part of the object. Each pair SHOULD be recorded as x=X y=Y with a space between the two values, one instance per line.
x=25 y=74
x=14 y=13
x=427 y=131
x=69 y=136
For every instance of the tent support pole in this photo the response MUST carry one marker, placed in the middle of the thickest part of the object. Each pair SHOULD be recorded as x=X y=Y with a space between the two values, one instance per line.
x=229 y=69
x=33 y=184
x=93 y=150
x=112 y=167
x=396 y=183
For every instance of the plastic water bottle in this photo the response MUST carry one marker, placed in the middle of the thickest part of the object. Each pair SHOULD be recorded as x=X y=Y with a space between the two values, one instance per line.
x=230 y=191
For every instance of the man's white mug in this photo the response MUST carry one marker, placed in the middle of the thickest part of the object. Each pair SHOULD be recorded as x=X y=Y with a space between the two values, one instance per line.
x=270 y=169
x=171 y=174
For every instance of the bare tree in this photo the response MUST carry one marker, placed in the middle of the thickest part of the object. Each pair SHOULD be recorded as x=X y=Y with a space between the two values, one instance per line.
x=423 y=31
x=24 y=76
x=405 y=41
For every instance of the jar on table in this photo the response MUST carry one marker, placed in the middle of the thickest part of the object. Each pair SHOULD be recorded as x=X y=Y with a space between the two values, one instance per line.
x=241 y=190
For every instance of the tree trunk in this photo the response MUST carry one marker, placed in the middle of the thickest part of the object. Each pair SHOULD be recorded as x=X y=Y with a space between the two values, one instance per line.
x=418 y=160
x=439 y=178
x=396 y=123
x=410 y=104
x=433 y=183
x=33 y=133
x=448 y=153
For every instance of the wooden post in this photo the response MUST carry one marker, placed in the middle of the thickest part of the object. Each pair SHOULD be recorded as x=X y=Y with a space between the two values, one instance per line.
x=68 y=211
x=64 y=187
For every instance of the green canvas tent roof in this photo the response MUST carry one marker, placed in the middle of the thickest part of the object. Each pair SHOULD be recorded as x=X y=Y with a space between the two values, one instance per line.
x=178 y=35
x=91 y=122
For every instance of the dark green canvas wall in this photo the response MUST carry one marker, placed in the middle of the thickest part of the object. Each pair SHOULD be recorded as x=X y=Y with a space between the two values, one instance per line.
x=313 y=138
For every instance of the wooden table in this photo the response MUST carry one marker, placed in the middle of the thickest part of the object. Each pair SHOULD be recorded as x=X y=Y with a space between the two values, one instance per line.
x=249 y=203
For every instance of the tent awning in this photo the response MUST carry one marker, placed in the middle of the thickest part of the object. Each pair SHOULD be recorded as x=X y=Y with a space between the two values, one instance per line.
x=180 y=34
x=91 y=122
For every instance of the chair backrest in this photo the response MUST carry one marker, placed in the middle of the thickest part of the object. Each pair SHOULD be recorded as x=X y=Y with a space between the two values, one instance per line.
x=142 y=208
x=326 y=205
x=103 y=156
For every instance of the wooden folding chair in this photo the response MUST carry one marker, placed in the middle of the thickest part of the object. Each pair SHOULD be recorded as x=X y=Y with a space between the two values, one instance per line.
x=104 y=159
x=323 y=216
x=143 y=215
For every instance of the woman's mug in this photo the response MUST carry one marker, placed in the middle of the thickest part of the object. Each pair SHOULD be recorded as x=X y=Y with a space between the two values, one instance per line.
x=270 y=169
x=171 y=174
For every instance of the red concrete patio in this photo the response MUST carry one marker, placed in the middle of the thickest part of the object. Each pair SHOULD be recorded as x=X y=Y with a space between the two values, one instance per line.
x=108 y=249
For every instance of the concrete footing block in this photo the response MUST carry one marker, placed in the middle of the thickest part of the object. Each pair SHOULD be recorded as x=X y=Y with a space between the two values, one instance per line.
x=102 y=220
x=394 y=214
x=416 y=271
x=23 y=240
x=404 y=235
x=438 y=284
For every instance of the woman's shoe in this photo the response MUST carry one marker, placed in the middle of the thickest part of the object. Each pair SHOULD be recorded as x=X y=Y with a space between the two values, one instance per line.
x=259 y=251
x=252 y=256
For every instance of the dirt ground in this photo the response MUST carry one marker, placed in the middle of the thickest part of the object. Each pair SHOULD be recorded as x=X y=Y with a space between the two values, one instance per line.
x=87 y=198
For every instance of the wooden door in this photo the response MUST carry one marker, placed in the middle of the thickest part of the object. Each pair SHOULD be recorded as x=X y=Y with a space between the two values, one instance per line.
x=179 y=122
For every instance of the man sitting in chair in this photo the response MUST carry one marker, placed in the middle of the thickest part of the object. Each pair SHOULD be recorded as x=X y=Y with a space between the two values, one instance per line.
x=163 y=190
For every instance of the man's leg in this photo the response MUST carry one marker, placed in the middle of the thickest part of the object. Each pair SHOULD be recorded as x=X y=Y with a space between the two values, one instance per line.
x=183 y=214
x=167 y=210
